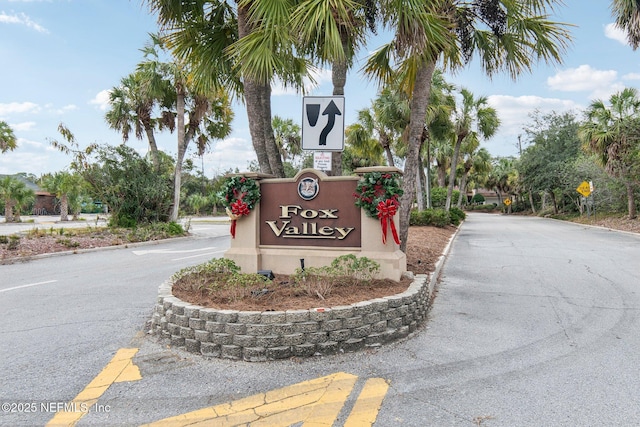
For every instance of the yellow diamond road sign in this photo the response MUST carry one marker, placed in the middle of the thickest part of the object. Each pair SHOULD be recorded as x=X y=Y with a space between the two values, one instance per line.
x=584 y=188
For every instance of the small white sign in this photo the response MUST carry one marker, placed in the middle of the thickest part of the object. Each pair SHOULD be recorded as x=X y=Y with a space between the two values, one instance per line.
x=322 y=160
x=323 y=123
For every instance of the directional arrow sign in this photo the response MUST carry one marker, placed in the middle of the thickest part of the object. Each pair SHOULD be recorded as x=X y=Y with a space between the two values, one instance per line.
x=323 y=123
x=316 y=402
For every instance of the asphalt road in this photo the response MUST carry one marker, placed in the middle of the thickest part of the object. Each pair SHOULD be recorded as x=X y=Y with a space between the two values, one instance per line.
x=534 y=324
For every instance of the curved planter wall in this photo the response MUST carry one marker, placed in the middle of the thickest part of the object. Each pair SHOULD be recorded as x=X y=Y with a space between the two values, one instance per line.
x=269 y=335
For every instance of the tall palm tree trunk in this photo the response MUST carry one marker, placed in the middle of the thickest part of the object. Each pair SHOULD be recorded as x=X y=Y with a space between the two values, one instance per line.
x=427 y=181
x=339 y=79
x=419 y=103
x=177 y=176
x=384 y=140
x=273 y=153
x=420 y=184
x=463 y=188
x=153 y=147
x=452 y=172
x=631 y=201
x=253 y=101
x=8 y=211
x=64 y=207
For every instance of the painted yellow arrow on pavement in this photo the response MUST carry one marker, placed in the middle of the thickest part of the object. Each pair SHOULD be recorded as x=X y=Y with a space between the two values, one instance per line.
x=313 y=403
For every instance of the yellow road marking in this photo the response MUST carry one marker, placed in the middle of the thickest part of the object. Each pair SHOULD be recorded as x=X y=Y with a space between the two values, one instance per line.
x=365 y=411
x=119 y=369
x=315 y=403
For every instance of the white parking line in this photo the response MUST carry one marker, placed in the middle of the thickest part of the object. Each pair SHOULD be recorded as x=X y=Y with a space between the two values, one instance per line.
x=170 y=251
x=27 y=286
x=199 y=255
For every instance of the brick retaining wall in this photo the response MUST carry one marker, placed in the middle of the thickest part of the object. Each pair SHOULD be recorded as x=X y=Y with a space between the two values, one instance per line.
x=269 y=335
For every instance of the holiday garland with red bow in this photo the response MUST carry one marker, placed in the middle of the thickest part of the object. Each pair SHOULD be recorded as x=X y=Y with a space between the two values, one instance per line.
x=378 y=194
x=239 y=196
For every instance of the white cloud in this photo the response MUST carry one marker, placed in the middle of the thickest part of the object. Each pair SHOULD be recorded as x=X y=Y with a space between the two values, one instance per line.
x=320 y=76
x=22 y=160
x=613 y=32
x=583 y=78
x=514 y=111
x=605 y=92
x=631 y=76
x=23 y=127
x=101 y=100
x=63 y=110
x=22 y=19
x=18 y=108
x=227 y=154
x=599 y=83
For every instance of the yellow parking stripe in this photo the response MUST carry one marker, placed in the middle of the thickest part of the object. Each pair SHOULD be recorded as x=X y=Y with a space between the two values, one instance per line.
x=365 y=410
x=315 y=403
x=119 y=369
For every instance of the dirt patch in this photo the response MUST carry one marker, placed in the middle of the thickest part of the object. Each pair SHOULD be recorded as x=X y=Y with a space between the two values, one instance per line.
x=425 y=246
x=281 y=295
x=44 y=242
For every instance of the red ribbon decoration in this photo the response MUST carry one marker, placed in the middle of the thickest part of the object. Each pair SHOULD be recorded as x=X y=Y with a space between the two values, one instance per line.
x=238 y=208
x=386 y=211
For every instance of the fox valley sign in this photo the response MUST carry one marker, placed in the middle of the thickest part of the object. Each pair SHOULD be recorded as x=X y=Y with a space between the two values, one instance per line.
x=309 y=212
x=310 y=219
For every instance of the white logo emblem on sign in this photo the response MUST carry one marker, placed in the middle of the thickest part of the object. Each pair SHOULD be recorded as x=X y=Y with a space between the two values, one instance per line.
x=308 y=188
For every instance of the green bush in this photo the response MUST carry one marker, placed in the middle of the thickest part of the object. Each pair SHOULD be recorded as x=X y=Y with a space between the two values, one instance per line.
x=457 y=215
x=436 y=217
x=345 y=269
x=155 y=231
x=135 y=191
x=477 y=198
x=14 y=241
x=483 y=208
x=439 y=196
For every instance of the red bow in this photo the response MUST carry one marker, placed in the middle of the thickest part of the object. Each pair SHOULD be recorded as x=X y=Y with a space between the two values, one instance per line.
x=386 y=211
x=238 y=208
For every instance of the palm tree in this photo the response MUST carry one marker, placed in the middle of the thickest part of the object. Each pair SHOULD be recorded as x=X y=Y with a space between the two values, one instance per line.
x=15 y=195
x=380 y=124
x=610 y=132
x=132 y=105
x=627 y=16
x=506 y=36
x=288 y=138
x=362 y=146
x=476 y=164
x=209 y=111
x=65 y=186
x=242 y=48
x=196 y=202
x=472 y=119
x=438 y=124
x=338 y=31
x=7 y=138
x=503 y=176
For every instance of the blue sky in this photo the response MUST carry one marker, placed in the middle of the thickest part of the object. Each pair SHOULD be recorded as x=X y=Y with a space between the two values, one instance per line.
x=60 y=57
